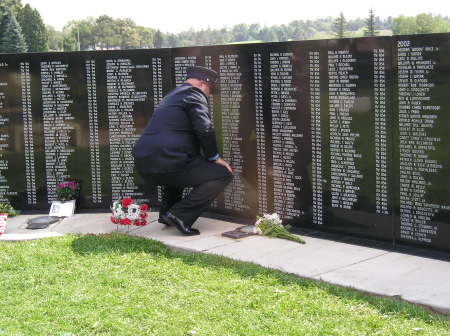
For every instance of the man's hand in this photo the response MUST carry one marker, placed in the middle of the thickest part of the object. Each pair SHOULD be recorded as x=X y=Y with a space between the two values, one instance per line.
x=222 y=162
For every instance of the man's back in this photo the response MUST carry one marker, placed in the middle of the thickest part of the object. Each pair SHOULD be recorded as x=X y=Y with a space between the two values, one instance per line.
x=169 y=141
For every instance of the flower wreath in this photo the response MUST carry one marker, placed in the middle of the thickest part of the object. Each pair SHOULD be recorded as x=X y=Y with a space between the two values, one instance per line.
x=126 y=212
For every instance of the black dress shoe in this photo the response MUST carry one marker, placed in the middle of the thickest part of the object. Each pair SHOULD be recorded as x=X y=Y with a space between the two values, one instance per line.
x=178 y=223
x=163 y=220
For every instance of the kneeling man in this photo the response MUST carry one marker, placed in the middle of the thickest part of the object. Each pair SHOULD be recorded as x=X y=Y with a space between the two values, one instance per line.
x=178 y=149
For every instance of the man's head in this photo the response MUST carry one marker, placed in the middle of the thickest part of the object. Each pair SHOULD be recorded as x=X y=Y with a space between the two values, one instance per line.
x=203 y=78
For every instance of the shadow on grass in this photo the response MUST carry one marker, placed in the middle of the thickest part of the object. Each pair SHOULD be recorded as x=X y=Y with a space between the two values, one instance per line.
x=123 y=244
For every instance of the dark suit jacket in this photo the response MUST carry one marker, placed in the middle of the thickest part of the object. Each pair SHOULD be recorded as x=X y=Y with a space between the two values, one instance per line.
x=177 y=132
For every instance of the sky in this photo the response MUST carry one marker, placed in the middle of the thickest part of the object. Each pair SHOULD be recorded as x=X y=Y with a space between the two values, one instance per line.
x=177 y=15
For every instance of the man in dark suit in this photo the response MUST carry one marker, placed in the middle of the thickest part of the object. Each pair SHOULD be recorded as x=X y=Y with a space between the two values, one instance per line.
x=178 y=149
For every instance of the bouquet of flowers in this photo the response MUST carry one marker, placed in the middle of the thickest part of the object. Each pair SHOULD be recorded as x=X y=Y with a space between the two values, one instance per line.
x=126 y=212
x=271 y=226
x=67 y=191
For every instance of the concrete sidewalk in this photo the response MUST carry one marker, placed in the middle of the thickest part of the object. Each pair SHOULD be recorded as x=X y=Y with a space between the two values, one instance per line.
x=415 y=275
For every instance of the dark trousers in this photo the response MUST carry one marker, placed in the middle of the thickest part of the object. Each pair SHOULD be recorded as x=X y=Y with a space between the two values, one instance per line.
x=208 y=179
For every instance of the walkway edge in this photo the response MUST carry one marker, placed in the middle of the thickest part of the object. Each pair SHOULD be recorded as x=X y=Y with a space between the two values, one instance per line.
x=435 y=308
x=16 y=237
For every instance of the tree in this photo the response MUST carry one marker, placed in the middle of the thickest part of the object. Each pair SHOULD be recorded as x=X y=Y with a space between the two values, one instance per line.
x=421 y=24
x=146 y=37
x=340 y=26
x=11 y=5
x=104 y=32
x=283 y=33
x=172 y=40
x=7 y=6
x=55 y=39
x=404 y=25
x=12 y=40
x=267 y=35
x=427 y=23
x=221 y=36
x=253 y=31
x=33 y=29
x=371 y=29
x=301 y=30
x=82 y=30
x=159 y=39
x=69 y=40
x=127 y=34
x=240 y=32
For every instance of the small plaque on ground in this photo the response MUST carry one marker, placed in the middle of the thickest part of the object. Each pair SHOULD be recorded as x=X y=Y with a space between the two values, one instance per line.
x=41 y=222
x=241 y=232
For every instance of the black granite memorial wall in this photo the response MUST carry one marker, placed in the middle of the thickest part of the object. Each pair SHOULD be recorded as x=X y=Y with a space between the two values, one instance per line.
x=348 y=135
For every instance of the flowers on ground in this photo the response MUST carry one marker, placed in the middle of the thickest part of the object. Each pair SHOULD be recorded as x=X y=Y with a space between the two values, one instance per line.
x=126 y=212
x=68 y=190
x=270 y=225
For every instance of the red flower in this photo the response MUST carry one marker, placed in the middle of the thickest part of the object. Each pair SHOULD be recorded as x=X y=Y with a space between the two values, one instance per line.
x=114 y=220
x=126 y=202
x=126 y=221
x=143 y=207
x=143 y=215
x=142 y=222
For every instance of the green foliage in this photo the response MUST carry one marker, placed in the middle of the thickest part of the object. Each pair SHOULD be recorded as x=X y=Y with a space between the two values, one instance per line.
x=340 y=26
x=146 y=37
x=12 y=40
x=371 y=24
x=67 y=191
x=55 y=39
x=105 y=32
x=33 y=29
x=420 y=24
x=270 y=225
x=6 y=208
x=427 y=23
x=13 y=6
x=32 y=35
x=404 y=25
x=127 y=34
x=159 y=39
x=82 y=29
x=121 y=285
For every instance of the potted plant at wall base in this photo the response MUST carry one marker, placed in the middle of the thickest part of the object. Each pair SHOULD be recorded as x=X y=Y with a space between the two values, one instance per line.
x=67 y=193
x=6 y=208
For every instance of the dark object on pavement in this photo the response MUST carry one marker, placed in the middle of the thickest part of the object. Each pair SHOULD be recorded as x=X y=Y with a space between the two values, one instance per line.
x=242 y=232
x=41 y=222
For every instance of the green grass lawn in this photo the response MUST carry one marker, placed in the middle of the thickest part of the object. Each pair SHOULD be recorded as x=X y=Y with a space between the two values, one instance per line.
x=120 y=285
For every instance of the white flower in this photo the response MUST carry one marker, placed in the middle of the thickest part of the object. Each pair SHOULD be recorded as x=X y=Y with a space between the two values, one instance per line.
x=274 y=218
x=118 y=213
x=133 y=212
